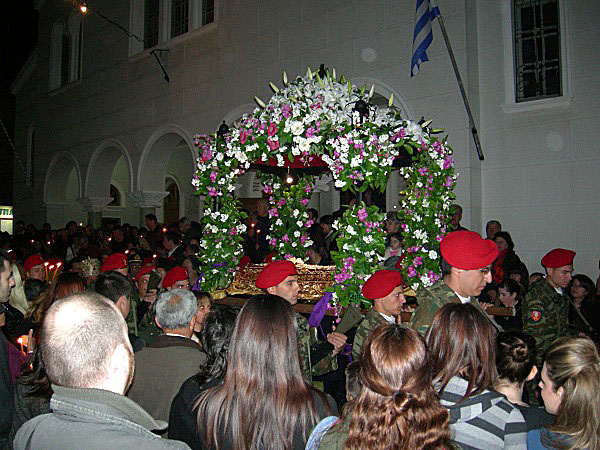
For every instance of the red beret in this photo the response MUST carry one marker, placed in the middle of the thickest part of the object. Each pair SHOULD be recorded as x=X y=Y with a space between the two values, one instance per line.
x=274 y=273
x=32 y=261
x=174 y=275
x=143 y=271
x=148 y=260
x=381 y=283
x=558 y=257
x=467 y=250
x=114 y=261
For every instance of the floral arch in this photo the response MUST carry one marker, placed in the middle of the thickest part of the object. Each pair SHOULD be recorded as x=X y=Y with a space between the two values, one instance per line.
x=323 y=120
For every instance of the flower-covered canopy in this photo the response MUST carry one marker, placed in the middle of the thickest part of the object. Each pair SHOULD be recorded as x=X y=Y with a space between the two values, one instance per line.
x=316 y=118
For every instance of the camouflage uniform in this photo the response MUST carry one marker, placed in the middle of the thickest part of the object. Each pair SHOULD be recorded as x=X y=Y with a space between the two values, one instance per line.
x=431 y=299
x=371 y=321
x=545 y=315
x=307 y=337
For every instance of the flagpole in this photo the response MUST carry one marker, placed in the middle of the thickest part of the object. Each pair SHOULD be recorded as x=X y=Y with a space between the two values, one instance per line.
x=440 y=20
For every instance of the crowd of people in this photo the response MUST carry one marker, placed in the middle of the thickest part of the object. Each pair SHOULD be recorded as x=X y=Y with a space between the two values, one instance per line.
x=107 y=341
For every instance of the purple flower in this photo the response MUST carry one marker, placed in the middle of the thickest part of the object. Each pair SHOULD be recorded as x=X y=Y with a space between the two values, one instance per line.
x=272 y=242
x=448 y=162
x=423 y=171
x=267 y=189
x=411 y=271
x=449 y=182
x=362 y=214
x=286 y=111
x=212 y=192
x=304 y=201
x=285 y=238
x=213 y=176
x=273 y=212
x=310 y=132
x=439 y=238
x=418 y=261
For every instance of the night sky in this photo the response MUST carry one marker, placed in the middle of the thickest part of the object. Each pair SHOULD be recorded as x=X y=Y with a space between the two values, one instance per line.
x=18 y=36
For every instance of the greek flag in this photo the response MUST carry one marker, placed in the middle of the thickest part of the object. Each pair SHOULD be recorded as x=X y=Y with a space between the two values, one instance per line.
x=422 y=37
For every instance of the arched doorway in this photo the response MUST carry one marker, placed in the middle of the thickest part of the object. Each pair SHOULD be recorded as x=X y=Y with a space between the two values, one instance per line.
x=171 y=202
x=62 y=189
x=109 y=174
x=168 y=158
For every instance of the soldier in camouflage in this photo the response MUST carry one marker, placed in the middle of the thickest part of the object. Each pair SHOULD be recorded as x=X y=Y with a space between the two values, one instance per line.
x=466 y=263
x=145 y=298
x=386 y=289
x=281 y=278
x=546 y=305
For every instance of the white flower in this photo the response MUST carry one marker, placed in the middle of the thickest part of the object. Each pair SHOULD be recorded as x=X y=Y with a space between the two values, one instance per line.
x=299 y=223
x=278 y=222
x=297 y=128
x=433 y=254
x=295 y=213
x=340 y=183
x=297 y=234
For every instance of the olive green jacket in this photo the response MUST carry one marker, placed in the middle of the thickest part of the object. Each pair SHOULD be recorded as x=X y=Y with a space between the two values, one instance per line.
x=431 y=299
x=307 y=337
x=371 y=321
x=545 y=315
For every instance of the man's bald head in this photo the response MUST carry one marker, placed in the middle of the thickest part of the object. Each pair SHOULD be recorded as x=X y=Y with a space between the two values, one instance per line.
x=79 y=336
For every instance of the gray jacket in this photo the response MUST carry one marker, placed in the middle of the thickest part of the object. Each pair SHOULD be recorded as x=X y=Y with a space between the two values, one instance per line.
x=92 y=419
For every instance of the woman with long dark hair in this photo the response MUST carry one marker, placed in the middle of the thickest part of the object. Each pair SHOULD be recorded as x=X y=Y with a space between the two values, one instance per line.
x=584 y=311
x=215 y=334
x=510 y=294
x=507 y=258
x=462 y=349
x=263 y=401
x=397 y=406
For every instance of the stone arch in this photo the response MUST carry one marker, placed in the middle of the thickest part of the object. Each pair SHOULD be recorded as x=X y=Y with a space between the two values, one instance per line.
x=157 y=154
x=102 y=164
x=58 y=172
x=237 y=112
x=386 y=90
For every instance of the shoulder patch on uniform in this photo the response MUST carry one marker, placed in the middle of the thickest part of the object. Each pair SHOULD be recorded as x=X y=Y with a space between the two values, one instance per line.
x=536 y=315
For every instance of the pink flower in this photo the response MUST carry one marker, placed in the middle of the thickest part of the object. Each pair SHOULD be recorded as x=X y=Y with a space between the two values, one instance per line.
x=423 y=171
x=272 y=242
x=274 y=145
x=309 y=223
x=362 y=214
x=411 y=271
x=418 y=261
x=308 y=188
x=213 y=176
x=272 y=129
x=448 y=162
x=267 y=189
x=273 y=212
x=212 y=192
x=232 y=232
x=281 y=202
x=303 y=238
x=243 y=137
x=304 y=201
x=310 y=132
x=286 y=111
x=285 y=238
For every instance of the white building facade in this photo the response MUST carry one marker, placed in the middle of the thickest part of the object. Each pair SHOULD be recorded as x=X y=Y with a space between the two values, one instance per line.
x=105 y=136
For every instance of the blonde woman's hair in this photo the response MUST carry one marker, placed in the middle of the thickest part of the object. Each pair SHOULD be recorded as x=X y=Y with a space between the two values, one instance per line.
x=17 y=295
x=573 y=364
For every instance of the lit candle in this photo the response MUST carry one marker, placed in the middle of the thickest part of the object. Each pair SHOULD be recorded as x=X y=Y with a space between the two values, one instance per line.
x=20 y=341
x=46 y=267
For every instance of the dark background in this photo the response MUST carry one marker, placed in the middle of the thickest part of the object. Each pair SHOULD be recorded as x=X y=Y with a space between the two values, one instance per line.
x=18 y=37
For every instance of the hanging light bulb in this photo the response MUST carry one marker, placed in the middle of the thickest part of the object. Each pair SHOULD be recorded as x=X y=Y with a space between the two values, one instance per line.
x=289 y=179
x=83 y=8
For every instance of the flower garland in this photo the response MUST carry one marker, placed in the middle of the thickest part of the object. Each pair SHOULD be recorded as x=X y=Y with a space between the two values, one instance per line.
x=313 y=116
x=361 y=244
x=289 y=220
x=425 y=213
x=220 y=245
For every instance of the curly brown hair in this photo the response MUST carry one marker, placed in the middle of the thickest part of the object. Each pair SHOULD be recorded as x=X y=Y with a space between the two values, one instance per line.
x=397 y=406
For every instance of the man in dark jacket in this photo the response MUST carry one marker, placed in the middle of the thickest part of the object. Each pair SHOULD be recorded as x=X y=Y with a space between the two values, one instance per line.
x=173 y=357
x=6 y=397
x=89 y=362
